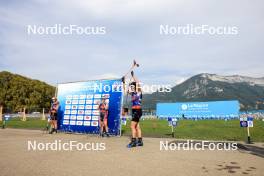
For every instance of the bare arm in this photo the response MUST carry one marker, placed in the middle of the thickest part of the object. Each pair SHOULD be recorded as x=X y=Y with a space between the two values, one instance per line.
x=135 y=79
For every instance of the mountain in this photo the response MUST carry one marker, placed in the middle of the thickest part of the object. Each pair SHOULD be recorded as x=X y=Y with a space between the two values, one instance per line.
x=17 y=91
x=212 y=87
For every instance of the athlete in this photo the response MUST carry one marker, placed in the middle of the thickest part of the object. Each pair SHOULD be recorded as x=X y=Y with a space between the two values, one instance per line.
x=136 y=97
x=103 y=109
x=54 y=114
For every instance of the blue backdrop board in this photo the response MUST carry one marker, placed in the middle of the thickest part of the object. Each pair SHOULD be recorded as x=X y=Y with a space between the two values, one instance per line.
x=205 y=110
x=78 y=111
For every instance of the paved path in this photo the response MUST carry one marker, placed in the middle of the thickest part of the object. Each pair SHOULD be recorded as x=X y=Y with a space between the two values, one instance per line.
x=15 y=159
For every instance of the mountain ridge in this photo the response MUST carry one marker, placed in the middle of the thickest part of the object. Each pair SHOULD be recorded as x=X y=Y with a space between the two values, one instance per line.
x=17 y=91
x=212 y=87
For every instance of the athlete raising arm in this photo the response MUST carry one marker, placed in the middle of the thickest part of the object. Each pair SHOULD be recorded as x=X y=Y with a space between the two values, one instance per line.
x=136 y=97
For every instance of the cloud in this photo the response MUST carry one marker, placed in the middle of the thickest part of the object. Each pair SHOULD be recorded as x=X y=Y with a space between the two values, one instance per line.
x=132 y=33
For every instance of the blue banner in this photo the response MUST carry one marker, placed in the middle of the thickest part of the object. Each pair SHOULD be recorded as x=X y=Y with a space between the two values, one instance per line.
x=199 y=110
x=79 y=101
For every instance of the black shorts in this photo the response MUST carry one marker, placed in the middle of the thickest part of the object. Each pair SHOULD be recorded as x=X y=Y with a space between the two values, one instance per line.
x=136 y=114
x=54 y=116
x=102 y=116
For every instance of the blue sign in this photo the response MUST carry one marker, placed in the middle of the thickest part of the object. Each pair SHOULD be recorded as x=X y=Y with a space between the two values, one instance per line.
x=169 y=120
x=250 y=121
x=198 y=110
x=79 y=102
x=172 y=121
x=243 y=124
x=246 y=122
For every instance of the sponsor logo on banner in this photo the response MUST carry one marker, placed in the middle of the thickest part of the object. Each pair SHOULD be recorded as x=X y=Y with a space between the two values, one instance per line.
x=80 y=111
x=97 y=95
x=73 y=117
x=184 y=107
x=75 y=97
x=73 y=111
x=74 y=107
x=81 y=107
x=68 y=107
x=198 y=107
x=95 y=118
x=89 y=101
x=69 y=97
x=82 y=96
x=67 y=112
x=88 y=112
x=95 y=106
x=96 y=112
x=65 y=122
x=79 y=123
x=66 y=117
x=72 y=122
x=94 y=123
x=81 y=101
x=88 y=107
x=74 y=101
x=106 y=95
x=87 y=123
x=79 y=117
x=89 y=96
x=87 y=117
x=96 y=101
x=68 y=102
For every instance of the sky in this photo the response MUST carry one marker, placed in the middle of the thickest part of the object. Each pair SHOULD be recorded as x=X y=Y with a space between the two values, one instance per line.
x=132 y=31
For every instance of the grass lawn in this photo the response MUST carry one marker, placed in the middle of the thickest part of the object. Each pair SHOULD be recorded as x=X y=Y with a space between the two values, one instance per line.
x=31 y=123
x=186 y=129
x=202 y=129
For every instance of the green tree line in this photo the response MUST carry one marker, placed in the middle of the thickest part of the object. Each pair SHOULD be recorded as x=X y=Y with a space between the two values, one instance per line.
x=17 y=92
